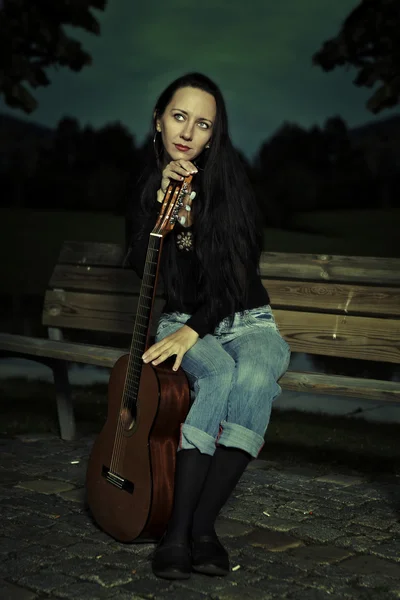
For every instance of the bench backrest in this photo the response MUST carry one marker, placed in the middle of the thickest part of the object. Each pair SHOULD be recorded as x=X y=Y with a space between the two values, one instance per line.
x=345 y=306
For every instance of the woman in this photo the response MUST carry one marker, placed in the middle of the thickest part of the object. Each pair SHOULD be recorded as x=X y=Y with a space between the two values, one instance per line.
x=216 y=321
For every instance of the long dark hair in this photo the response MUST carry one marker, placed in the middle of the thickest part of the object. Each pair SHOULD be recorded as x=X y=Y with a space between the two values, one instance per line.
x=227 y=233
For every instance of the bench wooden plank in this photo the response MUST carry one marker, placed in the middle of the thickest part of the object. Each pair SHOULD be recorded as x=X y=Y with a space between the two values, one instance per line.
x=95 y=279
x=334 y=297
x=327 y=297
x=316 y=333
x=281 y=265
x=94 y=312
x=365 y=338
x=92 y=253
x=352 y=387
x=25 y=347
x=317 y=267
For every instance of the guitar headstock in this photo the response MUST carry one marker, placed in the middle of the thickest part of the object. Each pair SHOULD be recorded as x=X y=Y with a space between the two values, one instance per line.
x=173 y=201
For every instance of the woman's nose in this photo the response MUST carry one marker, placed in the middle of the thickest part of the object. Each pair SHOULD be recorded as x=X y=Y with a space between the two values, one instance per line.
x=187 y=132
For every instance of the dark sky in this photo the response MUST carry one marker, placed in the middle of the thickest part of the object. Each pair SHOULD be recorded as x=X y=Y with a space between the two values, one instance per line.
x=258 y=51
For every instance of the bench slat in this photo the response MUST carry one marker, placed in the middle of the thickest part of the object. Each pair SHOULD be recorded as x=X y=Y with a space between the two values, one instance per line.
x=91 y=253
x=75 y=352
x=334 y=297
x=95 y=279
x=282 y=265
x=106 y=357
x=94 y=312
x=365 y=338
x=368 y=338
x=345 y=269
x=352 y=387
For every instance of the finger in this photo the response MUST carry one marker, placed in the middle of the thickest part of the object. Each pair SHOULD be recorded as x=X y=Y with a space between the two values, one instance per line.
x=178 y=362
x=163 y=356
x=168 y=175
x=190 y=167
x=154 y=351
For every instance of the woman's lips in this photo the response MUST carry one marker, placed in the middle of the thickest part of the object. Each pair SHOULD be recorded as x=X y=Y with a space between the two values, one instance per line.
x=181 y=148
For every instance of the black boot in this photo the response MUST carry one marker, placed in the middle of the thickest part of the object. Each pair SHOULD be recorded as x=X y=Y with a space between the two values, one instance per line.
x=208 y=554
x=172 y=557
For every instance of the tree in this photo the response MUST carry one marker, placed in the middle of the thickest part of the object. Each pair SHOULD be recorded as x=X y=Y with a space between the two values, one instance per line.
x=369 y=40
x=32 y=38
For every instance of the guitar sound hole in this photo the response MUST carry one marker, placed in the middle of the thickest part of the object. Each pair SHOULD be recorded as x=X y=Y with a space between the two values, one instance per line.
x=127 y=420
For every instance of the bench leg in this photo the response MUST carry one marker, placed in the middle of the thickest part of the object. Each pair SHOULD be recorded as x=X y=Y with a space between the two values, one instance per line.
x=65 y=409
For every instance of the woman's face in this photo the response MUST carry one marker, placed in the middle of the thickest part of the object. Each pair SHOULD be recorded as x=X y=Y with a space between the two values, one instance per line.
x=187 y=123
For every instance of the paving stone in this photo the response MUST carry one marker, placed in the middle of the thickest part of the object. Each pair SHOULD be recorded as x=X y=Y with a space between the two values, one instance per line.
x=77 y=495
x=245 y=593
x=341 y=479
x=33 y=504
x=213 y=587
x=267 y=513
x=76 y=568
x=374 y=522
x=85 y=590
x=110 y=578
x=276 y=524
x=230 y=528
x=180 y=594
x=390 y=550
x=46 y=583
x=9 y=591
x=307 y=557
x=366 y=565
x=150 y=587
x=304 y=472
x=271 y=540
x=316 y=594
x=45 y=486
x=358 y=543
x=8 y=545
x=89 y=549
x=378 y=582
x=317 y=531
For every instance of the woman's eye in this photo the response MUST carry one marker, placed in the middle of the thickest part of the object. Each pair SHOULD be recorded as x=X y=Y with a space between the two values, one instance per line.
x=178 y=115
x=205 y=125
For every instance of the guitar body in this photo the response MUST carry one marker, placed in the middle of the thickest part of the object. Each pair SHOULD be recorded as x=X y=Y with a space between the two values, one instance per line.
x=130 y=475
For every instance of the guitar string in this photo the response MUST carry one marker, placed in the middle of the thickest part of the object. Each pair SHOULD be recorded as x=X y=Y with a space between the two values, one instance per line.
x=178 y=194
x=120 y=441
x=143 y=311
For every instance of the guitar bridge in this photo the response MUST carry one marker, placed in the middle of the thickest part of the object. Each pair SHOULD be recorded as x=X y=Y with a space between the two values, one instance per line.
x=117 y=480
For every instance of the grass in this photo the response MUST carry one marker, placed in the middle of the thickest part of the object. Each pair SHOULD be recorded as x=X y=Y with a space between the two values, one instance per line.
x=292 y=436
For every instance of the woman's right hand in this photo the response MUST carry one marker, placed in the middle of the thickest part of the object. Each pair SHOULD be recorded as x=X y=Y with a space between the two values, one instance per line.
x=176 y=169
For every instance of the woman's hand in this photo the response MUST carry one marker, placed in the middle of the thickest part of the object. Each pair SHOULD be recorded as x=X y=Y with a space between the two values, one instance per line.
x=177 y=343
x=176 y=169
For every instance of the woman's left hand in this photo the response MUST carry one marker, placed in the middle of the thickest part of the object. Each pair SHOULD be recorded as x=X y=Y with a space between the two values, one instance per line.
x=177 y=343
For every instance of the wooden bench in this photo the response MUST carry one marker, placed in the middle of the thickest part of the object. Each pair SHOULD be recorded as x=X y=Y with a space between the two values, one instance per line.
x=341 y=306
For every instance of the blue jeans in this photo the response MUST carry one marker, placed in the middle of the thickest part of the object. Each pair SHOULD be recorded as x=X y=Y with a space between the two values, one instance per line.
x=234 y=374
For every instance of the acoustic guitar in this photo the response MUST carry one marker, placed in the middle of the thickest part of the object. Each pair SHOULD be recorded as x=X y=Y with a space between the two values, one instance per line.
x=130 y=474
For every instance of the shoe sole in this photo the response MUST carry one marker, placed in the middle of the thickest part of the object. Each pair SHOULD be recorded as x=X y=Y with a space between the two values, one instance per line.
x=173 y=574
x=210 y=570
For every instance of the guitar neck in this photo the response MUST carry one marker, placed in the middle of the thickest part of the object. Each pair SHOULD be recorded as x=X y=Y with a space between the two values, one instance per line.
x=143 y=314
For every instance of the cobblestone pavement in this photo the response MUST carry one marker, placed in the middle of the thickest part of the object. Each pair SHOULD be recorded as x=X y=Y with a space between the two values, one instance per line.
x=292 y=533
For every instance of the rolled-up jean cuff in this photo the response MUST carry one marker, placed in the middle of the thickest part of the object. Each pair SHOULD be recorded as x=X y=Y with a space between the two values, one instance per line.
x=191 y=437
x=237 y=436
